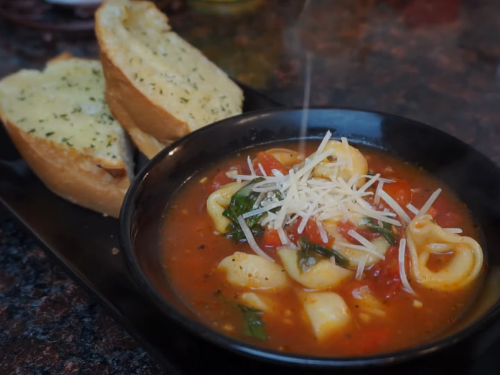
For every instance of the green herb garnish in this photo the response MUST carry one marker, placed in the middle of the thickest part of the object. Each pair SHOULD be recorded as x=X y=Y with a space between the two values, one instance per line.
x=310 y=254
x=242 y=202
x=254 y=326
x=384 y=231
x=235 y=232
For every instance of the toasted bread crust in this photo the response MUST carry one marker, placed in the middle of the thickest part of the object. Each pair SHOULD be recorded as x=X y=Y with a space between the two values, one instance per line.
x=89 y=181
x=150 y=126
x=70 y=174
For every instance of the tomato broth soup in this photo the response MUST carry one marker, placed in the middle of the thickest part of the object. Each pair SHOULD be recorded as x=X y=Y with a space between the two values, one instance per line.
x=340 y=251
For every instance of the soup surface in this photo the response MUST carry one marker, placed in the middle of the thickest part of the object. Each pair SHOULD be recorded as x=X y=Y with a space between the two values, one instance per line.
x=347 y=255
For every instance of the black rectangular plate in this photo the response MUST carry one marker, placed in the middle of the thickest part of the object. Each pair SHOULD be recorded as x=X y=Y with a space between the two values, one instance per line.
x=82 y=241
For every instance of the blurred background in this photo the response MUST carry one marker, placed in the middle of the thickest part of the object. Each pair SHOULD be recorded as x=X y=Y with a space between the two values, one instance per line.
x=436 y=61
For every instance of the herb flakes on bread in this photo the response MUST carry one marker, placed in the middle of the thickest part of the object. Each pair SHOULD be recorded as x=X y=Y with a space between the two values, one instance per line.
x=60 y=123
x=158 y=86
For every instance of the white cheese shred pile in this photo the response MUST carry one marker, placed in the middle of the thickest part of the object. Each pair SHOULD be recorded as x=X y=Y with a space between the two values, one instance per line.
x=301 y=197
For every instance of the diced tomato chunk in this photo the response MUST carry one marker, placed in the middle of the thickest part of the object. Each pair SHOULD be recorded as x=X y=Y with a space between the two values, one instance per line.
x=311 y=232
x=344 y=228
x=400 y=191
x=221 y=178
x=292 y=231
x=268 y=162
x=271 y=238
x=385 y=274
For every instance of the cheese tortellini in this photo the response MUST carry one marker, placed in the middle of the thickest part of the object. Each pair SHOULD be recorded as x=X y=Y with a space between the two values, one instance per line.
x=252 y=271
x=355 y=163
x=327 y=312
x=367 y=303
x=323 y=275
x=218 y=201
x=287 y=157
x=258 y=302
x=426 y=237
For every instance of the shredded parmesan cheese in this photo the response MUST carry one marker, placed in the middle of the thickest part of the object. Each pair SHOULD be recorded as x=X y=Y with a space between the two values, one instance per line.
x=322 y=232
x=262 y=170
x=380 y=186
x=361 y=239
x=250 y=166
x=359 y=247
x=402 y=271
x=361 y=267
x=346 y=147
x=395 y=206
x=323 y=143
x=251 y=239
x=428 y=204
x=283 y=238
x=262 y=210
x=299 y=197
x=453 y=230
x=277 y=173
x=412 y=208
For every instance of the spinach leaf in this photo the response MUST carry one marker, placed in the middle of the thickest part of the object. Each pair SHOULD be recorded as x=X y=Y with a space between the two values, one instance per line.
x=242 y=202
x=236 y=233
x=254 y=326
x=310 y=254
x=386 y=231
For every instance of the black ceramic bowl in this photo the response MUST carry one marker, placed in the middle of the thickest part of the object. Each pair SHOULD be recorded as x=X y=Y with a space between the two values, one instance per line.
x=474 y=178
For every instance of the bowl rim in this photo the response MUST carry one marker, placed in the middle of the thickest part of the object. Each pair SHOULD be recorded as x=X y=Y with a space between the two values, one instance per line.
x=254 y=351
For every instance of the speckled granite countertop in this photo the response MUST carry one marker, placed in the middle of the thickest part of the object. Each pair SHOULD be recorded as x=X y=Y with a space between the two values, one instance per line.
x=436 y=61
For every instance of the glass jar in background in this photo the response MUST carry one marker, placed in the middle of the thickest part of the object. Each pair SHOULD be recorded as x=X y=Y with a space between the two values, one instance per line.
x=225 y=7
